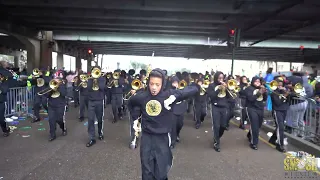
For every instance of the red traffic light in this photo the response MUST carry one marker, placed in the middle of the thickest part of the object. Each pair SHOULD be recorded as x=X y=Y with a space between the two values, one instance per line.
x=232 y=31
x=301 y=47
x=89 y=51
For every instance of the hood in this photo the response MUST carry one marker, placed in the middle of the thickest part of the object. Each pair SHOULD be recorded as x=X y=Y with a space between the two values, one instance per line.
x=174 y=78
x=164 y=80
x=241 y=79
x=215 y=77
x=253 y=80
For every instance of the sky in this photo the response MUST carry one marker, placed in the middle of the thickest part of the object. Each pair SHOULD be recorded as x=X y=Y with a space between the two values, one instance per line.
x=241 y=67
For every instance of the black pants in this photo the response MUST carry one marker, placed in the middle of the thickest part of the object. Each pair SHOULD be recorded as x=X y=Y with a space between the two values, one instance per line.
x=278 y=134
x=116 y=103
x=243 y=111
x=255 y=117
x=56 y=116
x=95 y=110
x=108 y=96
x=200 y=111
x=190 y=105
x=83 y=106
x=230 y=113
x=219 y=121
x=177 y=124
x=156 y=156
x=76 y=98
x=38 y=101
x=3 y=123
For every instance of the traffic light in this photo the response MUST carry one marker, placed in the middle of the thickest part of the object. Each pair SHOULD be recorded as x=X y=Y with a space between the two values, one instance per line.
x=89 y=51
x=233 y=38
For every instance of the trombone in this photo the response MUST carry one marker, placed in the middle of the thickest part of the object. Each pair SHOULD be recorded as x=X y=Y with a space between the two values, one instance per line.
x=84 y=81
x=116 y=77
x=204 y=87
x=182 y=84
x=233 y=88
x=53 y=86
x=95 y=74
x=135 y=85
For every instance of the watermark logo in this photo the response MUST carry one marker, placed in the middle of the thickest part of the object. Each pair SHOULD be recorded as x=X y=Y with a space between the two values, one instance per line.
x=301 y=165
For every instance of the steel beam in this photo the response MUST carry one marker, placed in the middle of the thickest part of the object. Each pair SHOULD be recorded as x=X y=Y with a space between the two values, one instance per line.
x=307 y=23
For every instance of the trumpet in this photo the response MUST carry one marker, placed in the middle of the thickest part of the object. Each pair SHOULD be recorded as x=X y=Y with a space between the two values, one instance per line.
x=182 y=84
x=84 y=80
x=53 y=86
x=233 y=88
x=135 y=85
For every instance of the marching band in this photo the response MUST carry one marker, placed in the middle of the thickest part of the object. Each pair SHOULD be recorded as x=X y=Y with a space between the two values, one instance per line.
x=157 y=105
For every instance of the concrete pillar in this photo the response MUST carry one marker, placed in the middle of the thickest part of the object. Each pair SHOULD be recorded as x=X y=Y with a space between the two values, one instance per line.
x=59 y=60
x=90 y=58
x=46 y=50
x=78 y=63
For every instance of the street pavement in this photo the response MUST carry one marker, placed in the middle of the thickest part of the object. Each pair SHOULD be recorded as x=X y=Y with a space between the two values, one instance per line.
x=27 y=155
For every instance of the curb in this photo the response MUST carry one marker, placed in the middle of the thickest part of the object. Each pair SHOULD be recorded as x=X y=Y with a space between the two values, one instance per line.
x=301 y=144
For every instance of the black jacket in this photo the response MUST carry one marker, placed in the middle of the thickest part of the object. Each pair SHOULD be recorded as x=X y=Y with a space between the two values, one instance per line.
x=252 y=99
x=161 y=123
x=100 y=93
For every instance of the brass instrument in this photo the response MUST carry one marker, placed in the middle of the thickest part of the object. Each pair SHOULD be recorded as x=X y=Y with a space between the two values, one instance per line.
x=298 y=88
x=108 y=76
x=115 y=78
x=40 y=82
x=255 y=92
x=95 y=74
x=36 y=72
x=222 y=90
x=84 y=80
x=182 y=84
x=53 y=86
x=237 y=89
x=233 y=88
x=204 y=86
x=135 y=85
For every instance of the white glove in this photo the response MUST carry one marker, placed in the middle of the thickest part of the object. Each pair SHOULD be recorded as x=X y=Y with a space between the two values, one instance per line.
x=136 y=126
x=169 y=101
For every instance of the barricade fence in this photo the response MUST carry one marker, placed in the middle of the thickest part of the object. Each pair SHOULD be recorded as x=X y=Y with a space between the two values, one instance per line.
x=19 y=101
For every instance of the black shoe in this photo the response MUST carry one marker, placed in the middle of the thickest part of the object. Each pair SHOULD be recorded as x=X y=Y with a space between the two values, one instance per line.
x=6 y=134
x=101 y=137
x=241 y=126
x=280 y=148
x=197 y=126
x=254 y=147
x=81 y=119
x=114 y=121
x=178 y=139
x=64 y=132
x=216 y=147
x=35 y=120
x=52 y=138
x=172 y=146
x=91 y=142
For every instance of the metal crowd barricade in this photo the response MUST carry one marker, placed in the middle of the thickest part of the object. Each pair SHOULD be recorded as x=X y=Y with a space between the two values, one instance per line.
x=19 y=101
x=303 y=119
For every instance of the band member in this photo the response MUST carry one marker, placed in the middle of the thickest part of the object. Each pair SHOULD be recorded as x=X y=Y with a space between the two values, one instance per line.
x=178 y=109
x=200 y=106
x=117 y=91
x=280 y=105
x=83 y=100
x=4 y=88
x=231 y=106
x=256 y=94
x=40 y=82
x=219 y=100
x=155 y=152
x=96 y=92
x=108 y=90
x=57 y=107
x=242 y=94
x=75 y=91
